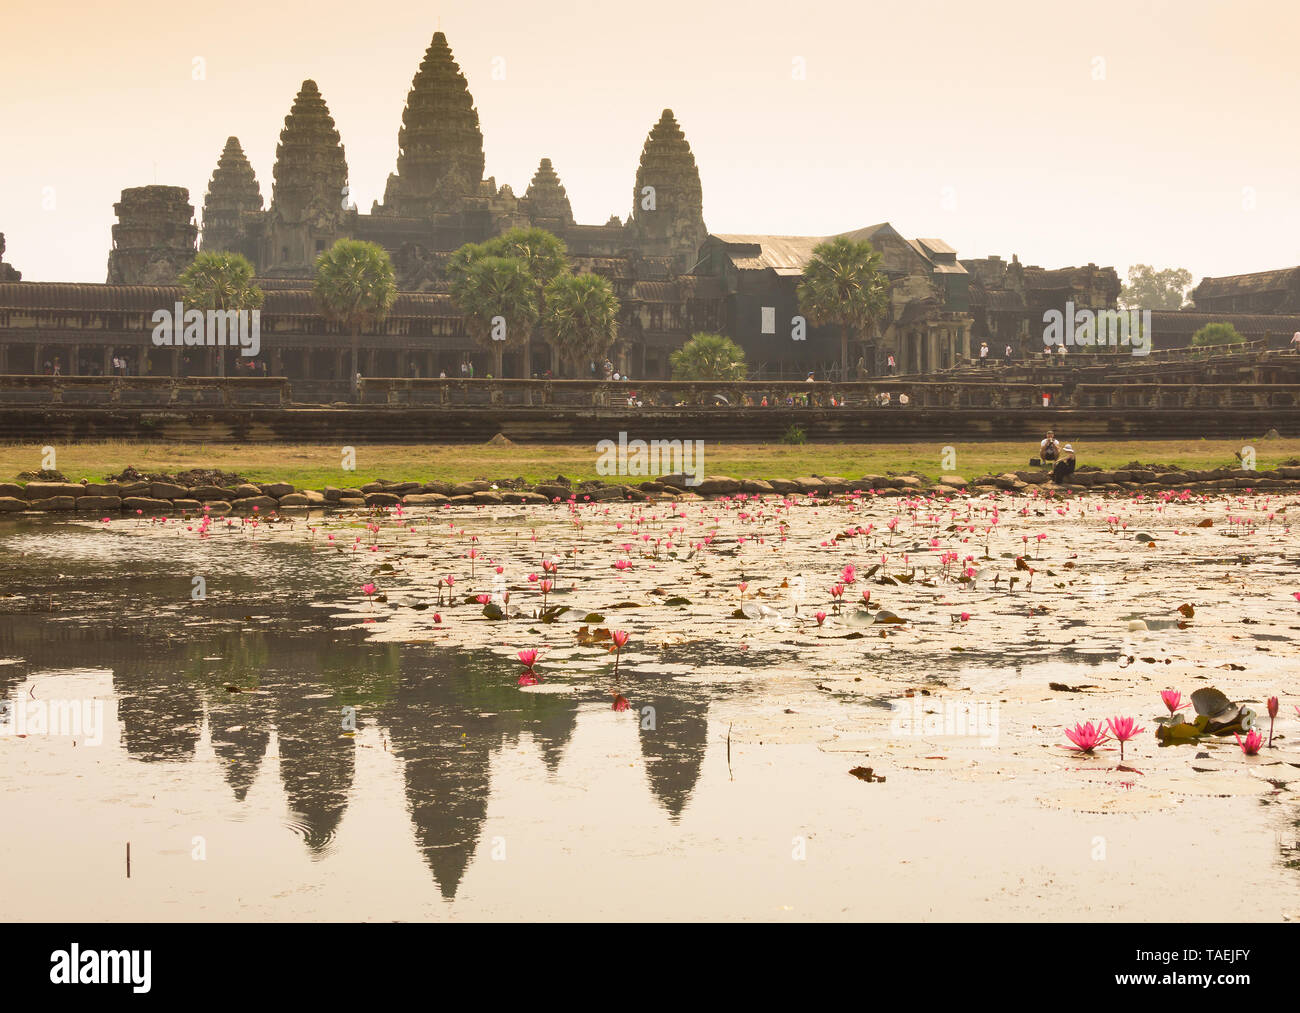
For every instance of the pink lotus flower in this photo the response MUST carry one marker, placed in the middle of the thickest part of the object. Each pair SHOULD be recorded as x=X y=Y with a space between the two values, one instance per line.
x=620 y=638
x=620 y=702
x=1124 y=729
x=529 y=657
x=820 y=617
x=965 y=617
x=1253 y=741
x=437 y=618
x=482 y=599
x=1272 y=714
x=1173 y=700
x=1086 y=738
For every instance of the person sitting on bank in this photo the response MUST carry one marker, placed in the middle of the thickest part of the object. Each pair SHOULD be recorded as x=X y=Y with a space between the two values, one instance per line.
x=1063 y=470
x=1049 y=449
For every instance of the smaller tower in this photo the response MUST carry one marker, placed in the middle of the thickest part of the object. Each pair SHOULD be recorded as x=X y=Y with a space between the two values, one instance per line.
x=309 y=195
x=232 y=192
x=154 y=238
x=547 y=203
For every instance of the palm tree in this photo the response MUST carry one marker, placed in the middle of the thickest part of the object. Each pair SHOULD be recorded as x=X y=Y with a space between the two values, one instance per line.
x=543 y=255
x=709 y=357
x=581 y=318
x=220 y=281
x=499 y=301
x=355 y=287
x=843 y=286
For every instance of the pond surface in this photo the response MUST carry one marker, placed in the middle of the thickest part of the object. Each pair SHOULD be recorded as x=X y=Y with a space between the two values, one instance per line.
x=274 y=743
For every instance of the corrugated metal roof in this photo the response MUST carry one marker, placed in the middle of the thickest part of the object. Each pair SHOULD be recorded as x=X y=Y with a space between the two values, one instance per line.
x=788 y=255
x=1235 y=284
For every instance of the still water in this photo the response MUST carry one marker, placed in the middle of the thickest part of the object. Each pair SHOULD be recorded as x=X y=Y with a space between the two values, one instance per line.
x=264 y=757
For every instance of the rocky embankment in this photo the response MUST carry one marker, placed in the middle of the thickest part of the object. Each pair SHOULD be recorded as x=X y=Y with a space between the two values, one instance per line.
x=156 y=497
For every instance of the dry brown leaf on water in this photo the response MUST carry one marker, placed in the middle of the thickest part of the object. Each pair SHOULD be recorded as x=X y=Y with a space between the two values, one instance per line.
x=1187 y=610
x=589 y=636
x=1207 y=523
x=866 y=774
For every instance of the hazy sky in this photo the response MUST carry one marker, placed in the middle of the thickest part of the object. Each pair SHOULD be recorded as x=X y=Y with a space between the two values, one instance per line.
x=1111 y=132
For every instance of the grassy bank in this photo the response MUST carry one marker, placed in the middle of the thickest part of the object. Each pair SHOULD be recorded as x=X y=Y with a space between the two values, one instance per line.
x=313 y=466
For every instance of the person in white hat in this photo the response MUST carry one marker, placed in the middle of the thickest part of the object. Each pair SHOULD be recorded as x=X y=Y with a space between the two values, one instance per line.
x=1063 y=470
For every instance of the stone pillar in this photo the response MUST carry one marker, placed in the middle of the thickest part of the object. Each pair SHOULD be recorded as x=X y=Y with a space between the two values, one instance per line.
x=38 y=364
x=70 y=367
x=176 y=362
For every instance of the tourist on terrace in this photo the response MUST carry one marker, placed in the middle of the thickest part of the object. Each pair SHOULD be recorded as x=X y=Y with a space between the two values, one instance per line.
x=889 y=364
x=984 y=353
x=1295 y=342
x=1007 y=354
x=1049 y=448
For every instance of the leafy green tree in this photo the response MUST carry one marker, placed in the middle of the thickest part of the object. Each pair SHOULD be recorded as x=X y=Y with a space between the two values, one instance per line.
x=1149 y=289
x=355 y=286
x=843 y=286
x=499 y=300
x=580 y=318
x=709 y=357
x=544 y=255
x=220 y=281
x=1217 y=334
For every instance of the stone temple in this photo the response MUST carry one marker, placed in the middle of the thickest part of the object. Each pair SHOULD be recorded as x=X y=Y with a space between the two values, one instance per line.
x=671 y=275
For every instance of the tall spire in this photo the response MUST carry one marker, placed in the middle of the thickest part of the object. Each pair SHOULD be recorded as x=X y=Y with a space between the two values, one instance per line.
x=311 y=169
x=667 y=203
x=310 y=191
x=546 y=197
x=232 y=190
x=440 y=145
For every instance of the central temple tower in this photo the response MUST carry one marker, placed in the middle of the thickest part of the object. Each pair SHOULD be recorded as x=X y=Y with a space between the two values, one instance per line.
x=440 y=145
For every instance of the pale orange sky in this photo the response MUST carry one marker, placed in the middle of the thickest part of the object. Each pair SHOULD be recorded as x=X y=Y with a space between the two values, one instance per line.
x=1156 y=163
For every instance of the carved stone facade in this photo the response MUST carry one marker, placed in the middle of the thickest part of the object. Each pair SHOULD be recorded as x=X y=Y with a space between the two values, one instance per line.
x=926 y=327
x=1008 y=300
x=154 y=238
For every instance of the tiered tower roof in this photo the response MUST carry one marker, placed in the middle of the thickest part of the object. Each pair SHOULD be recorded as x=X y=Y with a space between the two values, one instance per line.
x=440 y=145
x=546 y=196
x=311 y=169
x=232 y=190
x=671 y=218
